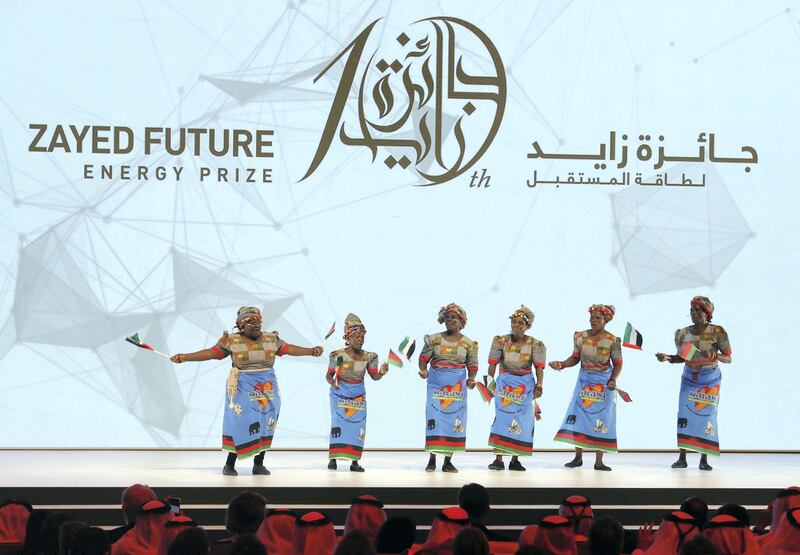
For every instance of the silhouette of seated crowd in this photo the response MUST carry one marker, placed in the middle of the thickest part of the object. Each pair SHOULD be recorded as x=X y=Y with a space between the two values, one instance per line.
x=157 y=527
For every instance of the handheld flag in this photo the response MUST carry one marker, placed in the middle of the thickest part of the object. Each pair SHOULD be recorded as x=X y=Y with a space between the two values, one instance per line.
x=537 y=411
x=407 y=346
x=330 y=331
x=134 y=340
x=633 y=338
x=490 y=384
x=394 y=360
x=339 y=365
x=486 y=395
x=624 y=395
x=687 y=351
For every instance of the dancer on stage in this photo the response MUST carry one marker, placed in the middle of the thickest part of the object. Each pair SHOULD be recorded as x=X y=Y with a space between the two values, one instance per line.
x=516 y=353
x=253 y=399
x=346 y=371
x=700 y=347
x=591 y=419
x=448 y=353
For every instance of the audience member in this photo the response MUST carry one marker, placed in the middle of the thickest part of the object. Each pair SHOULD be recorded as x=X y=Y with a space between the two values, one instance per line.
x=66 y=534
x=355 y=543
x=132 y=500
x=366 y=515
x=13 y=518
x=314 y=535
x=578 y=510
x=698 y=545
x=606 y=537
x=470 y=541
x=736 y=511
x=395 y=535
x=552 y=535
x=190 y=541
x=50 y=529
x=697 y=508
x=731 y=536
x=449 y=522
x=145 y=537
x=675 y=529
x=277 y=531
x=474 y=498
x=247 y=544
x=90 y=541
x=33 y=532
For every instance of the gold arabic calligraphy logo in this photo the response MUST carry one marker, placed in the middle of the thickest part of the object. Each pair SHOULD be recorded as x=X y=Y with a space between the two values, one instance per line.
x=420 y=99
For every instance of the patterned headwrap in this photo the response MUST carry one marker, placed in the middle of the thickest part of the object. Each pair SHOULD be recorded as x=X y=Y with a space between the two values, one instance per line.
x=453 y=308
x=606 y=310
x=704 y=304
x=352 y=326
x=525 y=314
x=247 y=313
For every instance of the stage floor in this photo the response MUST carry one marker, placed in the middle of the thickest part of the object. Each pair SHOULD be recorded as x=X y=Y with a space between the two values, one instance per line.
x=401 y=469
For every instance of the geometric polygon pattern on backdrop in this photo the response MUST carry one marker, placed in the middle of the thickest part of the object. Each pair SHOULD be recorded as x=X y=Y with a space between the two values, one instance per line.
x=677 y=237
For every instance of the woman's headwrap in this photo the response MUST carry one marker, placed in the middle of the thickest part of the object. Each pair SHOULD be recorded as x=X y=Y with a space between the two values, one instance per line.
x=172 y=528
x=448 y=523
x=704 y=304
x=676 y=529
x=366 y=515
x=246 y=314
x=453 y=308
x=730 y=536
x=525 y=314
x=353 y=326
x=145 y=537
x=578 y=510
x=787 y=537
x=552 y=535
x=13 y=519
x=314 y=535
x=606 y=310
x=277 y=530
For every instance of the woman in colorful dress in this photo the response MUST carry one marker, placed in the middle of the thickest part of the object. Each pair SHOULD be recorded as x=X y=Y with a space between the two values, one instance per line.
x=447 y=353
x=515 y=389
x=700 y=346
x=591 y=419
x=346 y=371
x=253 y=398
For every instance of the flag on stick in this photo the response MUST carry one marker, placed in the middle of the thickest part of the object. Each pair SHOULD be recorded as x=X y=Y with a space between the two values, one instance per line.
x=330 y=331
x=339 y=365
x=633 y=338
x=407 y=346
x=486 y=395
x=394 y=360
x=687 y=351
x=624 y=395
x=490 y=384
x=134 y=340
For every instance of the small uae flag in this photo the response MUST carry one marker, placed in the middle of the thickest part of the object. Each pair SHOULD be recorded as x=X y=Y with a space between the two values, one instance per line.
x=687 y=351
x=633 y=338
x=407 y=346
x=490 y=384
x=395 y=360
x=330 y=331
x=338 y=371
x=624 y=395
x=134 y=340
x=486 y=395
